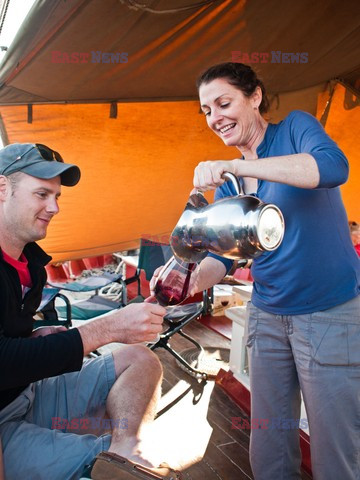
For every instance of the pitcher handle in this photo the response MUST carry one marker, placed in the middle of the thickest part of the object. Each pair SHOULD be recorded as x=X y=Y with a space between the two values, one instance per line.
x=235 y=181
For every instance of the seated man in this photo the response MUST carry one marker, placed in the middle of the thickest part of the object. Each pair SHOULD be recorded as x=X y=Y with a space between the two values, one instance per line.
x=46 y=390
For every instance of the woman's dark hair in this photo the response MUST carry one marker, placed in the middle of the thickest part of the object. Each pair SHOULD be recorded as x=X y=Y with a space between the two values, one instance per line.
x=241 y=76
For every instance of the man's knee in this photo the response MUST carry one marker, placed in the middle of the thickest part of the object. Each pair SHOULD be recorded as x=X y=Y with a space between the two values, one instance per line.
x=136 y=355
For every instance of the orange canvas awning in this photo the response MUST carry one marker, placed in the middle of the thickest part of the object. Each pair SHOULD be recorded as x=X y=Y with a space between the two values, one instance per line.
x=136 y=170
x=343 y=126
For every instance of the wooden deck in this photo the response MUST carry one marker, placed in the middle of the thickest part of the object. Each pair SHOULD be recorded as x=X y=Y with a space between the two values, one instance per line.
x=194 y=425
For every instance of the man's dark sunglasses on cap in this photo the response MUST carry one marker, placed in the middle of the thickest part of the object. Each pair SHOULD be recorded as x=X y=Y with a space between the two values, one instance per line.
x=45 y=152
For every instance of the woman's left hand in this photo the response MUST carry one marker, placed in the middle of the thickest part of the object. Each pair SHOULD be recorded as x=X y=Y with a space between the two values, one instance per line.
x=208 y=175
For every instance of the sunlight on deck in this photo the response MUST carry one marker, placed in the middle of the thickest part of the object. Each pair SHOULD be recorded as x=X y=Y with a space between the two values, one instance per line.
x=181 y=433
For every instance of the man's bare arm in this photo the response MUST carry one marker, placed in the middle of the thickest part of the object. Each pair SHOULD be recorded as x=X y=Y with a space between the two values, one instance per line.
x=139 y=322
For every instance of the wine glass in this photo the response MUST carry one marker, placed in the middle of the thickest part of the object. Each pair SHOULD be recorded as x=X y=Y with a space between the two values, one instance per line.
x=172 y=284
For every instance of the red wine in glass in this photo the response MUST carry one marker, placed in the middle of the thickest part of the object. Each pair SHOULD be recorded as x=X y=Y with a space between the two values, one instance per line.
x=173 y=282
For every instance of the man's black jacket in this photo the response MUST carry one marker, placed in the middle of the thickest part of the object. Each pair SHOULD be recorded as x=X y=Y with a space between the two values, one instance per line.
x=24 y=360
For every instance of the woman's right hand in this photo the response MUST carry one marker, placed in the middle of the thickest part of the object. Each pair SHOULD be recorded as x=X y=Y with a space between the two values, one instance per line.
x=208 y=175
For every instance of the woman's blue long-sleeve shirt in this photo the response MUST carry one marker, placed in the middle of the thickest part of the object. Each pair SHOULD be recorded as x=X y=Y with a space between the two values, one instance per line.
x=316 y=266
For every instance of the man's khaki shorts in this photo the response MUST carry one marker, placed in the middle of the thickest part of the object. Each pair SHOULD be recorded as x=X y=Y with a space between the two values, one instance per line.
x=57 y=426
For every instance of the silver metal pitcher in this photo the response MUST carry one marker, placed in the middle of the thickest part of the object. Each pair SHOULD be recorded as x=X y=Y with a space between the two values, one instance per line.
x=233 y=227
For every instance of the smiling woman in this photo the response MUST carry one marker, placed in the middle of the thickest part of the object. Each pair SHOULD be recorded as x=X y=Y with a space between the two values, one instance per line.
x=232 y=114
x=297 y=167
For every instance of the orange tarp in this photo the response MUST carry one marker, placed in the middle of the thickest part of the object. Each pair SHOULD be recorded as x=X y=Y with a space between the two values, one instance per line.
x=136 y=170
x=343 y=126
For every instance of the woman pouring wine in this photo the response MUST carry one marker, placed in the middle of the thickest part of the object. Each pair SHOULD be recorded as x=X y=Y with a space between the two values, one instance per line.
x=303 y=326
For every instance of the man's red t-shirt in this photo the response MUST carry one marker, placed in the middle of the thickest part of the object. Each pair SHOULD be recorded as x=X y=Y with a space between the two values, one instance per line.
x=22 y=268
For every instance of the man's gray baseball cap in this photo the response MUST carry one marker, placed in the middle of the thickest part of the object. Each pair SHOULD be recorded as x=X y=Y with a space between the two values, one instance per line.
x=39 y=161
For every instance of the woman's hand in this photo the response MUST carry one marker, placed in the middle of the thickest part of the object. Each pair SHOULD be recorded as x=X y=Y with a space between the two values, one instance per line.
x=208 y=175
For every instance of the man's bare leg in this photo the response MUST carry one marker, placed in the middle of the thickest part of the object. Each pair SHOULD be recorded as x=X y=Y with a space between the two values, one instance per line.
x=133 y=397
